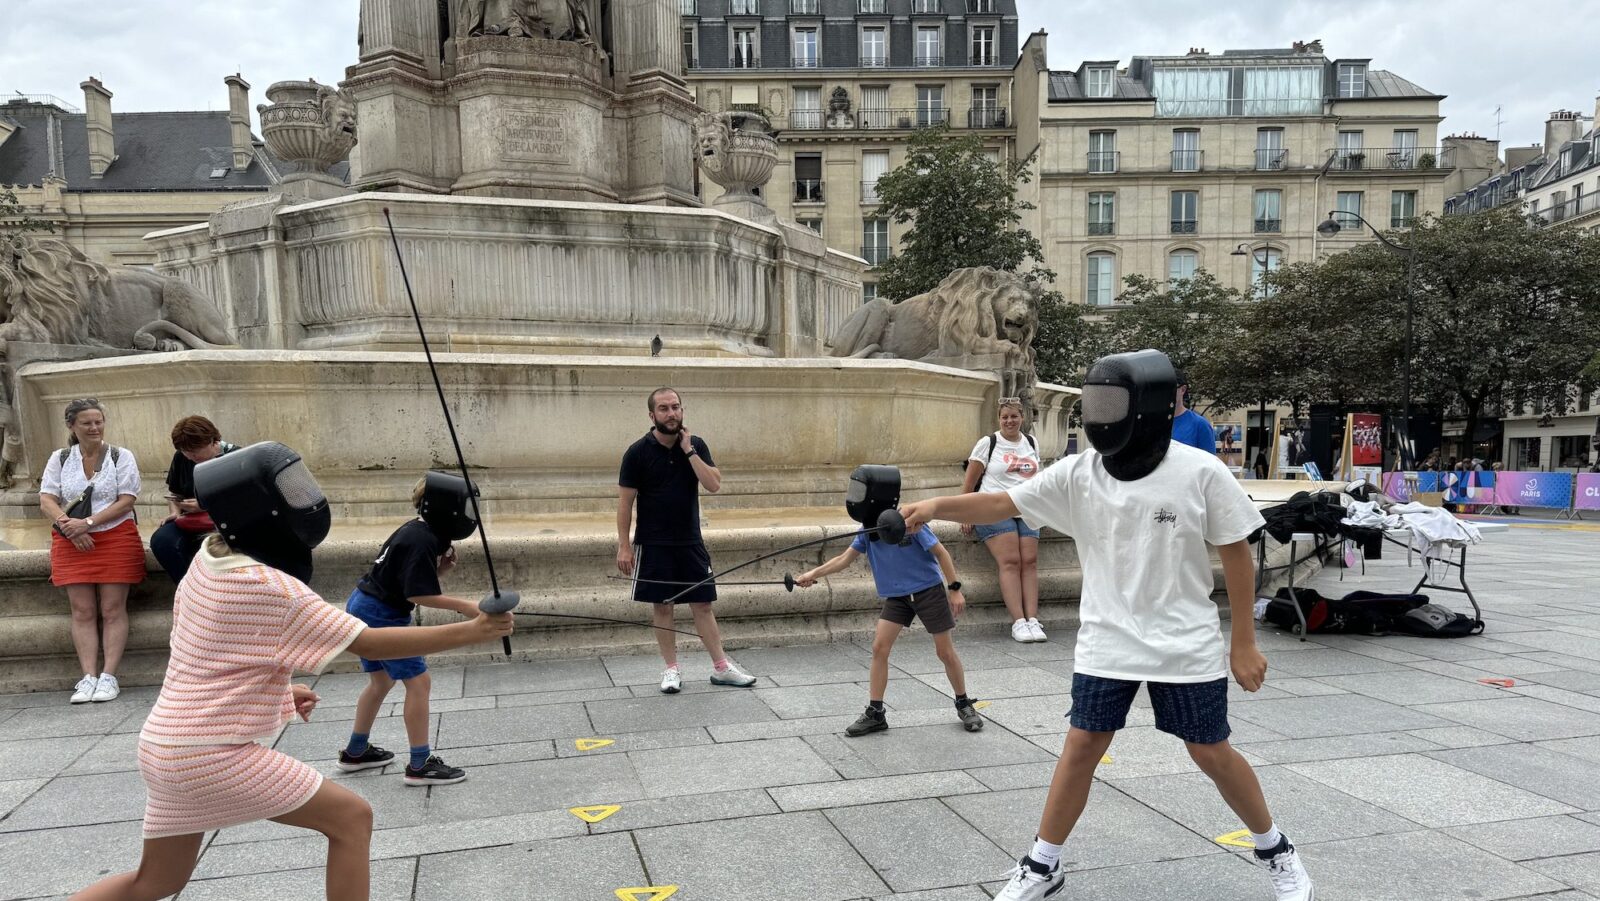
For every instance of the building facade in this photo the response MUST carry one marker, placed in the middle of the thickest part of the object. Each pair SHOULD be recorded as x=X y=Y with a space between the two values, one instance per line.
x=847 y=83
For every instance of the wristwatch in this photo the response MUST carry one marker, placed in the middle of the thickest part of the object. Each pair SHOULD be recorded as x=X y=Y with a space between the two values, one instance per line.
x=89 y=520
x=954 y=586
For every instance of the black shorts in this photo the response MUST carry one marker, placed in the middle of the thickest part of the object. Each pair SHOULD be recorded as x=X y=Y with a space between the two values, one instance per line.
x=1196 y=712
x=686 y=563
x=931 y=605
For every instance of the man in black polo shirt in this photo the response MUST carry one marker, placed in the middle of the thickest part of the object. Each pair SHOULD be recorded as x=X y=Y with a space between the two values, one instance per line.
x=663 y=472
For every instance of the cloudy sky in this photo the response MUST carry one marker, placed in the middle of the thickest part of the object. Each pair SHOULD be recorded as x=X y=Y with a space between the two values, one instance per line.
x=173 y=54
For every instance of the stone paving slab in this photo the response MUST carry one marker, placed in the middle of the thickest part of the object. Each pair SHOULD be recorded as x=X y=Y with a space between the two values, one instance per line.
x=1429 y=791
x=883 y=834
x=734 y=860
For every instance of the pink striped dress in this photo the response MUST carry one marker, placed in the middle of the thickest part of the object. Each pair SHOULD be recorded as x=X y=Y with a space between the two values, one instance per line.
x=239 y=630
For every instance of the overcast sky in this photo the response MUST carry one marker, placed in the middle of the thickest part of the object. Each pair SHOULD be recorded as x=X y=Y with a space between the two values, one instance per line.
x=173 y=54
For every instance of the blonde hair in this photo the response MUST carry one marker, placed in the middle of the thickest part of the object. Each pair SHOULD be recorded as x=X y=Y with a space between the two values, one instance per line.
x=1012 y=404
x=417 y=491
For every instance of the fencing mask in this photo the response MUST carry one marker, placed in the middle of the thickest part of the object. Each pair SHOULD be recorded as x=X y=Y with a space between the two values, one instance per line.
x=873 y=499
x=446 y=505
x=1128 y=401
x=266 y=505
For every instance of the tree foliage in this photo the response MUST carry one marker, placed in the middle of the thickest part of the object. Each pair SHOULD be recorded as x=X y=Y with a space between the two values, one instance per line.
x=16 y=224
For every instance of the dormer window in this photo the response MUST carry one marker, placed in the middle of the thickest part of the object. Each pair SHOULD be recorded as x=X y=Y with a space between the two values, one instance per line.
x=1352 y=80
x=1098 y=82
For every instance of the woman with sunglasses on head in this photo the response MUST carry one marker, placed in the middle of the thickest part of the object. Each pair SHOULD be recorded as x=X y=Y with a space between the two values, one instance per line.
x=87 y=492
x=1001 y=461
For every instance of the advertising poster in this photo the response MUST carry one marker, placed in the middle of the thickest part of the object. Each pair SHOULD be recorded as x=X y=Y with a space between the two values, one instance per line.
x=1230 y=443
x=1366 y=442
x=1588 y=496
x=1293 y=448
x=1534 y=489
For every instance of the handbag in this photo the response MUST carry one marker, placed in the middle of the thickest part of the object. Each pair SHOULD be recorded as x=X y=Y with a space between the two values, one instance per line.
x=198 y=521
x=83 y=506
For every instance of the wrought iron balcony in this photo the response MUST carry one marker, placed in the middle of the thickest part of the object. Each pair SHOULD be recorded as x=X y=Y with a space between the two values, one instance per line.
x=1268 y=226
x=805 y=119
x=869 y=192
x=805 y=7
x=1102 y=228
x=926 y=7
x=987 y=117
x=808 y=61
x=808 y=190
x=744 y=61
x=1184 y=226
x=929 y=60
x=980 y=6
x=1402 y=221
x=870 y=7
x=744 y=8
x=1188 y=160
x=921 y=117
x=981 y=59
x=875 y=254
x=1103 y=161
x=1270 y=158
x=1391 y=159
x=874 y=61
x=1571 y=209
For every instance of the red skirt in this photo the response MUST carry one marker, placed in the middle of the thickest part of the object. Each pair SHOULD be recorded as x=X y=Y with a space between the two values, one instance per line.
x=117 y=558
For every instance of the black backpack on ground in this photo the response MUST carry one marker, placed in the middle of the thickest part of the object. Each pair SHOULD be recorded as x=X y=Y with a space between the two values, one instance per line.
x=1369 y=613
x=1434 y=621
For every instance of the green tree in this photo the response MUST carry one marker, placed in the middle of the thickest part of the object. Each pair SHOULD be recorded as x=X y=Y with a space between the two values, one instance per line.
x=17 y=223
x=1066 y=341
x=962 y=209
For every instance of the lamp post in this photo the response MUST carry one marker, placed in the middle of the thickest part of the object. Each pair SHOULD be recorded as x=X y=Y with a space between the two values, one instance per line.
x=1261 y=414
x=1332 y=227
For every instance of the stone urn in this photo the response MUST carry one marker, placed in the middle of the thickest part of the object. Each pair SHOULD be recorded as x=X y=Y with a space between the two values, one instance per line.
x=738 y=151
x=309 y=124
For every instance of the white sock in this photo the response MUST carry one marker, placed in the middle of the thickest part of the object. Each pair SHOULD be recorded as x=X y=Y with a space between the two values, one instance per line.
x=1268 y=840
x=1045 y=853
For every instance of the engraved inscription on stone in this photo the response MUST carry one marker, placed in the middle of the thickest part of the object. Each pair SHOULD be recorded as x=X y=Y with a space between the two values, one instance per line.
x=535 y=134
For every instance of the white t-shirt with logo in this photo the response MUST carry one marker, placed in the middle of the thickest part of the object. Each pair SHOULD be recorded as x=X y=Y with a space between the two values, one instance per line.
x=1146 y=608
x=1011 y=464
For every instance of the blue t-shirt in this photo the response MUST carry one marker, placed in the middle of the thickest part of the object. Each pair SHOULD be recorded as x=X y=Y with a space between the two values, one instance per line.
x=1194 y=430
x=902 y=569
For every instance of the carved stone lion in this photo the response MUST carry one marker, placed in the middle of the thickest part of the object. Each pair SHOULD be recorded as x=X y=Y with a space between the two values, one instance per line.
x=973 y=312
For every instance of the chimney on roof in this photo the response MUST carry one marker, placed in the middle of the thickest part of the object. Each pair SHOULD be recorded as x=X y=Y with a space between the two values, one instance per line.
x=97 y=119
x=239 y=121
x=1517 y=157
x=1562 y=126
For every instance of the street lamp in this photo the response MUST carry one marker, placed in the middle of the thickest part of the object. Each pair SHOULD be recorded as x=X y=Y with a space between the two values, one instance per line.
x=1261 y=415
x=1332 y=227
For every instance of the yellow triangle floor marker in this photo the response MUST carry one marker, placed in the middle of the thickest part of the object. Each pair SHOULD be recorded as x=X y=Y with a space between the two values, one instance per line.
x=1240 y=839
x=647 y=893
x=589 y=744
x=1106 y=758
x=980 y=705
x=594 y=813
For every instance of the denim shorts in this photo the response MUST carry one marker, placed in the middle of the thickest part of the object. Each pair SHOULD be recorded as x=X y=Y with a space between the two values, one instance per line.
x=1196 y=712
x=377 y=614
x=1014 y=524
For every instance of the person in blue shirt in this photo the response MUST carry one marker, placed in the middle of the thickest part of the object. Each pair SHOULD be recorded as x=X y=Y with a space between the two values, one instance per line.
x=916 y=579
x=1189 y=427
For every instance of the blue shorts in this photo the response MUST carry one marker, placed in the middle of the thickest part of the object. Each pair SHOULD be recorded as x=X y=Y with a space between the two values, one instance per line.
x=1004 y=526
x=379 y=615
x=1196 y=712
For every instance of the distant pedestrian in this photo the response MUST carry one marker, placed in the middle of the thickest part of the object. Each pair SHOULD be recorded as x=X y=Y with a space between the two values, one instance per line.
x=1189 y=427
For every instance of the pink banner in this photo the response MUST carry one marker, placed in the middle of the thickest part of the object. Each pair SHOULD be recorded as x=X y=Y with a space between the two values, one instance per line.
x=1588 y=496
x=1533 y=489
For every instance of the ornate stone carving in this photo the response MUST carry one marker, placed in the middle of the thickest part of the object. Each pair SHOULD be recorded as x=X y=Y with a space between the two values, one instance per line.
x=50 y=293
x=839 y=109
x=738 y=152
x=978 y=318
x=309 y=124
x=560 y=20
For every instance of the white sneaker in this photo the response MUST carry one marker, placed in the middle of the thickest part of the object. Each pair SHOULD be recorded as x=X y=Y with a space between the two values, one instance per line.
x=1290 y=880
x=107 y=689
x=671 y=682
x=1020 y=631
x=83 y=692
x=734 y=676
x=1037 y=630
x=1028 y=884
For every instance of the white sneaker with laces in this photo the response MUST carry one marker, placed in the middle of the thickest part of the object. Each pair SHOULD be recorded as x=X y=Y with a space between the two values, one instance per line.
x=1027 y=883
x=671 y=682
x=106 y=689
x=1020 y=631
x=1290 y=880
x=83 y=692
x=1037 y=630
x=734 y=676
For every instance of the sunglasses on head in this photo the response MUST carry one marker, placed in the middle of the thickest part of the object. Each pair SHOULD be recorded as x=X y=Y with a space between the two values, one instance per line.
x=1010 y=400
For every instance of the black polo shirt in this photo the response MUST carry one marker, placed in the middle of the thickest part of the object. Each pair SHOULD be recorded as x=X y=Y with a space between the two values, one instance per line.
x=407 y=567
x=668 y=511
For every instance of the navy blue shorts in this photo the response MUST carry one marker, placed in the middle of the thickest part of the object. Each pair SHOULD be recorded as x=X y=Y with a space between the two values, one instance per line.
x=1196 y=712
x=379 y=615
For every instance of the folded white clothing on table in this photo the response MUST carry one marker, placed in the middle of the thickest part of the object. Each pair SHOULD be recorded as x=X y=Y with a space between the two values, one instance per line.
x=1434 y=529
x=1369 y=514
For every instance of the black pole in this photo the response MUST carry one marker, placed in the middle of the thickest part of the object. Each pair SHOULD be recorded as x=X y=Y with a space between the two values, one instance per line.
x=1407 y=451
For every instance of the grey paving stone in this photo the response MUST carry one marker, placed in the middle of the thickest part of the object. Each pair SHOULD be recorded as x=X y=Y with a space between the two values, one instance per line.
x=63 y=861
x=14 y=791
x=1540 y=770
x=1016 y=682
x=1333 y=715
x=1029 y=715
x=687 y=809
x=1574 y=699
x=833 y=700
x=733 y=861
x=536 y=676
x=915 y=654
x=79 y=801
x=855 y=674
x=645 y=669
x=113 y=754
x=321 y=740
x=481 y=755
x=963 y=893
x=926 y=749
x=1327 y=662
x=1304 y=808
x=1581 y=871
x=790 y=661
x=540 y=785
x=572 y=696
x=885 y=833
x=677 y=711
x=61 y=720
x=390 y=879
x=1410 y=687
x=1302 y=688
x=1585 y=748
x=1563 y=642
x=1571 y=680
x=1429 y=791
x=1533 y=839
x=1524 y=719
x=816 y=725
x=42 y=757
x=1215 y=877
x=1418 y=866
x=1334 y=747
x=1143 y=751
x=1015 y=775
x=1115 y=829
x=590 y=866
x=727 y=767
x=874 y=791
x=1459 y=737
x=623 y=742
x=466 y=728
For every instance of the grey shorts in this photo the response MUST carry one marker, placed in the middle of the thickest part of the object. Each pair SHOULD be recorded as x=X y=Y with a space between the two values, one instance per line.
x=931 y=605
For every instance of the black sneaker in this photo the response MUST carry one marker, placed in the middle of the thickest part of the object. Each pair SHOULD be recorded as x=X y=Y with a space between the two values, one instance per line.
x=371 y=758
x=871 y=720
x=971 y=720
x=435 y=772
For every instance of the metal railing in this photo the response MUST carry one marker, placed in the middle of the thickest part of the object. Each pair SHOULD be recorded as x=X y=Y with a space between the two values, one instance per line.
x=46 y=99
x=1188 y=160
x=805 y=7
x=1572 y=208
x=987 y=117
x=1268 y=226
x=1184 y=226
x=1401 y=221
x=691 y=62
x=922 y=117
x=927 y=61
x=1270 y=158
x=805 y=118
x=981 y=59
x=875 y=254
x=804 y=62
x=744 y=8
x=744 y=61
x=870 y=7
x=808 y=190
x=1103 y=161
x=876 y=61
x=926 y=7
x=869 y=192
x=1102 y=228
x=980 y=6
x=1391 y=159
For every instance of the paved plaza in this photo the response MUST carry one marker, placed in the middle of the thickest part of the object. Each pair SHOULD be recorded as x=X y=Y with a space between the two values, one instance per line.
x=1399 y=772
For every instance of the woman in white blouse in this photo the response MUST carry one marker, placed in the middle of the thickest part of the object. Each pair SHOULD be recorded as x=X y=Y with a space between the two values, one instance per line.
x=1000 y=461
x=96 y=556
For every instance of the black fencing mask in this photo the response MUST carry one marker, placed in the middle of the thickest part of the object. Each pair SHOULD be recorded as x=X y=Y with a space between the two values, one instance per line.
x=873 y=499
x=266 y=505
x=447 y=505
x=1128 y=401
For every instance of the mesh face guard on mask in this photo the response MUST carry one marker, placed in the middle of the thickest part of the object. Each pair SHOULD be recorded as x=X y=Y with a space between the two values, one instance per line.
x=266 y=504
x=1128 y=401
x=873 y=489
x=447 y=506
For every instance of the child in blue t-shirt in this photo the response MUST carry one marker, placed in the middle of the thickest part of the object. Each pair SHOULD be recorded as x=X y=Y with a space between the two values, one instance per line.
x=912 y=579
